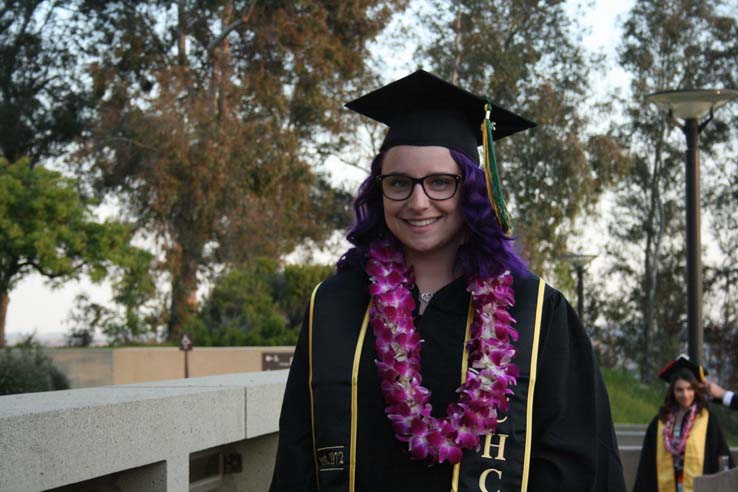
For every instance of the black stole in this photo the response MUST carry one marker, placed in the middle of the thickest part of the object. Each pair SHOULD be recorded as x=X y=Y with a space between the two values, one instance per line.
x=503 y=461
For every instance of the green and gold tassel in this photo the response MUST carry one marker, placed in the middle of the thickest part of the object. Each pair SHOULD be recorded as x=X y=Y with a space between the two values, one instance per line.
x=494 y=187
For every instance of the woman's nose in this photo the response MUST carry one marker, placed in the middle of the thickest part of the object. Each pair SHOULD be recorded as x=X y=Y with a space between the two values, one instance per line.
x=418 y=199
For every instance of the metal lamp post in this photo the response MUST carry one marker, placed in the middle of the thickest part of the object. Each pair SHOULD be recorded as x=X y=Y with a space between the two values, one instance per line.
x=580 y=261
x=691 y=106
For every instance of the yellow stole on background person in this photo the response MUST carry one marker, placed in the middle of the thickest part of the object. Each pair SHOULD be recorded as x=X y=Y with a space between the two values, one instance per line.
x=694 y=456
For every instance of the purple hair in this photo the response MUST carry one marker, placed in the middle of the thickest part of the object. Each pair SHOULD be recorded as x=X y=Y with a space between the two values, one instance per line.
x=486 y=251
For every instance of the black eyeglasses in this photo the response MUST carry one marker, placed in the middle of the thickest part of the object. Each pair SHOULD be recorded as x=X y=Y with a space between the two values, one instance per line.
x=438 y=186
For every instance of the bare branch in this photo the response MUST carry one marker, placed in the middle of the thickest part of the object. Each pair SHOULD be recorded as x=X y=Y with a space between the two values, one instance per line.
x=352 y=164
x=135 y=143
x=234 y=25
x=48 y=274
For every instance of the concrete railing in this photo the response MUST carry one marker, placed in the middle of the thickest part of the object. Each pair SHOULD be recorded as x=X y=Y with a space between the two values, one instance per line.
x=199 y=434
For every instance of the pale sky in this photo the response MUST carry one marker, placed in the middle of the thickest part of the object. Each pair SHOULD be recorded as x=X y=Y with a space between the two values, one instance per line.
x=36 y=307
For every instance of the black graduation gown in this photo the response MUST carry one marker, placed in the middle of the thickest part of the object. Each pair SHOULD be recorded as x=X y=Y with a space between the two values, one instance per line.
x=573 y=442
x=715 y=446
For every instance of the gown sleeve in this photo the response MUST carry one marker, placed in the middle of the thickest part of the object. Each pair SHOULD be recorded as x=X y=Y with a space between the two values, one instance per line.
x=294 y=470
x=716 y=446
x=646 y=475
x=574 y=446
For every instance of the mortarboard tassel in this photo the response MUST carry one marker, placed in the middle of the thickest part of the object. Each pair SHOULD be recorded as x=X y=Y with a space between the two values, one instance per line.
x=494 y=188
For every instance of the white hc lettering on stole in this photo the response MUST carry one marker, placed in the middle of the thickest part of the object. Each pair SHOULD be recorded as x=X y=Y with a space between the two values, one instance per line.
x=487 y=453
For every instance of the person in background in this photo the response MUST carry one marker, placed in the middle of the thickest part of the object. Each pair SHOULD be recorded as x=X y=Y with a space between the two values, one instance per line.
x=719 y=393
x=433 y=360
x=684 y=440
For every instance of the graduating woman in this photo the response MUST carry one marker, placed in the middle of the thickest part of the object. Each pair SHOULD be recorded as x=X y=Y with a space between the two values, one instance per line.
x=433 y=360
x=683 y=441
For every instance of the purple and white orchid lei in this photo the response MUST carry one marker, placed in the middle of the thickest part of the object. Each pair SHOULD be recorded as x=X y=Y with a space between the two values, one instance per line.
x=669 y=431
x=484 y=394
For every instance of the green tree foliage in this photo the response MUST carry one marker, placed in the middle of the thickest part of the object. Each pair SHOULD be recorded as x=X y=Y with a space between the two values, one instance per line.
x=47 y=229
x=42 y=106
x=29 y=369
x=210 y=115
x=721 y=273
x=525 y=56
x=667 y=45
x=258 y=304
x=135 y=315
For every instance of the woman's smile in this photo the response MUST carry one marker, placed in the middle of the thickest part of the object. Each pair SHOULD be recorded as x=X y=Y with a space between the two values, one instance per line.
x=423 y=225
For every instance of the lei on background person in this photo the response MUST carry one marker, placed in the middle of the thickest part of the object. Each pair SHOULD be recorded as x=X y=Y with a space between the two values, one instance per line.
x=669 y=431
x=490 y=374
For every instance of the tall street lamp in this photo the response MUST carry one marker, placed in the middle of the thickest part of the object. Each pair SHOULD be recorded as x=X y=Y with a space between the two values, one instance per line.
x=580 y=261
x=691 y=106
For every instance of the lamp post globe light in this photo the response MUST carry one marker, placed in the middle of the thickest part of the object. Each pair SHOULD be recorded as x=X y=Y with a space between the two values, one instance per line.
x=691 y=106
x=579 y=261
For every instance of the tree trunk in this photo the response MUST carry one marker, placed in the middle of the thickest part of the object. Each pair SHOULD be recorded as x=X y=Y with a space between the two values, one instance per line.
x=184 y=296
x=221 y=59
x=182 y=40
x=4 y=300
x=656 y=227
x=457 y=44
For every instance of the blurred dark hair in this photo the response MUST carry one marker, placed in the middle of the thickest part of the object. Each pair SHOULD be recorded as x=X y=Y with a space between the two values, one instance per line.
x=486 y=251
x=670 y=402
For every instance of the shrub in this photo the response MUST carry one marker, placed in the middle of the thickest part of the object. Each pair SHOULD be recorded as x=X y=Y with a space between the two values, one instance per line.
x=29 y=369
x=256 y=304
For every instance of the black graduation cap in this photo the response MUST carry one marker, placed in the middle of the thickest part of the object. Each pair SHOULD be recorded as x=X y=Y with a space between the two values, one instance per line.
x=422 y=109
x=682 y=363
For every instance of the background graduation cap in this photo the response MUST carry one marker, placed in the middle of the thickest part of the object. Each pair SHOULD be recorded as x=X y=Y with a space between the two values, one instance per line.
x=682 y=363
x=422 y=109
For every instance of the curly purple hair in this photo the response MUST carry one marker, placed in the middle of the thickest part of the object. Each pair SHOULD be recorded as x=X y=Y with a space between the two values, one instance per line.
x=486 y=252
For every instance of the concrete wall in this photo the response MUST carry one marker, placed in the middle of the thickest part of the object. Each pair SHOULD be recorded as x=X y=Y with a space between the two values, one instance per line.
x=88 y=368
x=726 y=481
x=141 y=436
x=85 y=368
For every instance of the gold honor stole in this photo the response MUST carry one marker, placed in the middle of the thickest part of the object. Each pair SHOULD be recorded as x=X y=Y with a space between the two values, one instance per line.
x=694 y=456
x=503 y=461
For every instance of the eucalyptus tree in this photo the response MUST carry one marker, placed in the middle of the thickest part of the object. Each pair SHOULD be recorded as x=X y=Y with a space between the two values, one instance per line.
x=42 y=103
x=721 y=267
x=210 y=116
x=528 y=56
x=681 y=44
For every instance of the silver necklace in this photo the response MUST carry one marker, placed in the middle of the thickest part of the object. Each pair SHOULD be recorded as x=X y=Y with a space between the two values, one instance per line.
x=426 y=296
